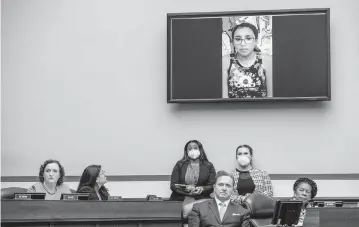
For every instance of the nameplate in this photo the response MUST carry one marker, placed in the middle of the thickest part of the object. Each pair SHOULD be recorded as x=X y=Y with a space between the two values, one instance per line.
x=71 y=197
x=23 y=196
x=330 y=204
x=114 y=198
x=155 y=199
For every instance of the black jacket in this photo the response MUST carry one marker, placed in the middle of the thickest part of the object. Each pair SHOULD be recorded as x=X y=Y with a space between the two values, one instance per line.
x=93 y=195
x=206 y=178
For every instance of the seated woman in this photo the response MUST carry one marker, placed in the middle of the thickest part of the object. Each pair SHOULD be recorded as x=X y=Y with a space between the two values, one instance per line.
x=51 y=180
x=92 y=181
x=247 y=179
x=304 y=189
x=192 y=177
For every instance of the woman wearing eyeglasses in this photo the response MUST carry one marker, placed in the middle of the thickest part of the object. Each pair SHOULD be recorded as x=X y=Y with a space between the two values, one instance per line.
x=93 y=181
x=246 y=71
x=304 y=189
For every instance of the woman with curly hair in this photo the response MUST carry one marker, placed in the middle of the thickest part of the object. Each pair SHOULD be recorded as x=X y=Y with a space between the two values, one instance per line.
x=192 y=177
x=304 y=190
x=51 y=180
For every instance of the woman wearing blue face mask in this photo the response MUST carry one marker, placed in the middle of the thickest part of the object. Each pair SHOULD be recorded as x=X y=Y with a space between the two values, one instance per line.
x=248 y=180
x=192 y=177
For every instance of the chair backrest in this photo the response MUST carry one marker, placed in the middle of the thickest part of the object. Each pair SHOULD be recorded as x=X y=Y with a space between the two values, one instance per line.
x=8 y=193
x=260 y=206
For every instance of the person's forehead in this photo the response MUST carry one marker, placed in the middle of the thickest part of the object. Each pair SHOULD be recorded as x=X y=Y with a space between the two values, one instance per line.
x=243 y=30
x=192 y=144
x=304 y=185
x=52 y=166
x=225 y=180
x=243 y=149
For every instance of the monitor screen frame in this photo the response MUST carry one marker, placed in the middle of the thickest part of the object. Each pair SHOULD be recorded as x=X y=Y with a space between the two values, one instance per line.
x=281 y=209
x=171 y=16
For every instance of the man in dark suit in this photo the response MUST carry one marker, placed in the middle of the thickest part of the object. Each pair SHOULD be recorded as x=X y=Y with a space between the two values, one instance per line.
x=219 y=211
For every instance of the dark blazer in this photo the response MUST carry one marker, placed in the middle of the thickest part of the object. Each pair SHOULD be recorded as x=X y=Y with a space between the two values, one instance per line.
x=207 y=174
x=206 y=214
x=93 y=195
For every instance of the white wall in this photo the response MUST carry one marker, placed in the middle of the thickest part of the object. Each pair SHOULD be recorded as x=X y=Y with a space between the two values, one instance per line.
x=84 y=82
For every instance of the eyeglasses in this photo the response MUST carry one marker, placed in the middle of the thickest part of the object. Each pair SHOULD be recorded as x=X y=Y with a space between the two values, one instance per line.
x=102 y=172
x=247 y=40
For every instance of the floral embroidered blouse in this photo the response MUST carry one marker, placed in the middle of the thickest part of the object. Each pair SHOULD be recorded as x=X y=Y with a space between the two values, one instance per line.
x=247 y=82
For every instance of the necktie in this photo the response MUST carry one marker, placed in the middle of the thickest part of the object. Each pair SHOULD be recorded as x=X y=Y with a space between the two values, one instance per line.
x=222 y=210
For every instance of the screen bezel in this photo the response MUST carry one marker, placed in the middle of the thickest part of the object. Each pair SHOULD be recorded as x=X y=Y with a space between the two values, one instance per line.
x=171 y=16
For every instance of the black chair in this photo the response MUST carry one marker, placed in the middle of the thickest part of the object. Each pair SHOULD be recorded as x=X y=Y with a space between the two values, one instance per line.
x=9 y=193
x=261 y=208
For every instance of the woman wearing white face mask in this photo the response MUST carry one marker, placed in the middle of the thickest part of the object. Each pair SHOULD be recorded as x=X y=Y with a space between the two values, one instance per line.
x=192 y=177
x=249 y=180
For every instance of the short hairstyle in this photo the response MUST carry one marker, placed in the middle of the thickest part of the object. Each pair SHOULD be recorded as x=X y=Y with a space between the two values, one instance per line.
x=245 y=25
x=312 y=184
x=246 y=146
x=42 y=170
x=202 y=156
x=222 y=173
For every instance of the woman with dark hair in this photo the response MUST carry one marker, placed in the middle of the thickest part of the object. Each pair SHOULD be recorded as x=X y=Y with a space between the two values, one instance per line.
x=247 y=179
x=92 y=181
x=192 y=177
x=304 y=189
x=246 y=71
x=51 y=180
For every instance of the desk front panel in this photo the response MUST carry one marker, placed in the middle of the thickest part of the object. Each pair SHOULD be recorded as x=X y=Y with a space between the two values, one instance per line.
x=106 y=213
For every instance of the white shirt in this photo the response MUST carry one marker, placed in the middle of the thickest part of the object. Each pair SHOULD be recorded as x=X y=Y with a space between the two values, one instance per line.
x=219 y=206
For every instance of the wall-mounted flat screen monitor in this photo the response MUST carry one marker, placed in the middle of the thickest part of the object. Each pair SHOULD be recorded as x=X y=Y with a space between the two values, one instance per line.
x=274 y=55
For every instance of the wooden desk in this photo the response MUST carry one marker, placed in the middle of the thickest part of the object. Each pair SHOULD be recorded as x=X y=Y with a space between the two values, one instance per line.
x=90 y=213
x=323 y=217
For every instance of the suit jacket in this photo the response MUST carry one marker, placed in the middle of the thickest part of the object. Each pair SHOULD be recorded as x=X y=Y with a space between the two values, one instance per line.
x=206 y=214
x=93 y=195
x=206 y=177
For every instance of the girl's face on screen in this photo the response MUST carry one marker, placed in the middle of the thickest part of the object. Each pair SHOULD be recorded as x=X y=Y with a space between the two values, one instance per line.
x=244 y=41
x=51 y=173
x=303 y=191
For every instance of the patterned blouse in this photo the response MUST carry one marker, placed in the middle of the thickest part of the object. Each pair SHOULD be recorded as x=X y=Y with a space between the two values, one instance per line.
x=261 y=181
x=302 y=212
x=247 y=82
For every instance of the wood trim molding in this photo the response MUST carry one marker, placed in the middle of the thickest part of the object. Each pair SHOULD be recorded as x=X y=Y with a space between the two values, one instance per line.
x=335 y=176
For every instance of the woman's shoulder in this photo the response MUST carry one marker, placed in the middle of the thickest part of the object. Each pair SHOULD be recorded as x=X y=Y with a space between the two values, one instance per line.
x=259 y=171
x=207 y=163
x=36 y=187
x=64 y=188
x=85 y=189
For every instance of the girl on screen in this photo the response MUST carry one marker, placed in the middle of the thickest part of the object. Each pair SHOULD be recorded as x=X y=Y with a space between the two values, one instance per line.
x=247 y=179
x=246 y=71
x=51 y=180
x=192 y=177
x=92 y=181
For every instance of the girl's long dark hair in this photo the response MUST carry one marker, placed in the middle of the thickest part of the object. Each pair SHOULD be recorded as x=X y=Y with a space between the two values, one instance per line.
x=202 y=156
